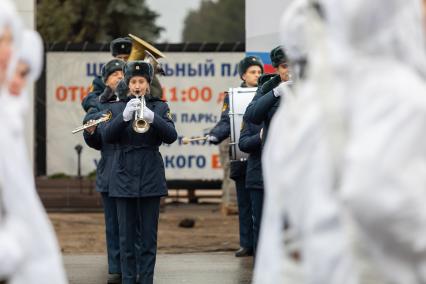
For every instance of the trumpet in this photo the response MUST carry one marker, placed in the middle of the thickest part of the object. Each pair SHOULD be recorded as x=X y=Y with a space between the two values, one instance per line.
x=140 y=125
x=141 y=50
x=105 y=117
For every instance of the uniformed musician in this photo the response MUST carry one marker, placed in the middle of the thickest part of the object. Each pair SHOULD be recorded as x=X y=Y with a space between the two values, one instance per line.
x=251 y=143
x=139 y=177
x=120 y=49
x=249 y=68
x=268 y=96
x=112 y=74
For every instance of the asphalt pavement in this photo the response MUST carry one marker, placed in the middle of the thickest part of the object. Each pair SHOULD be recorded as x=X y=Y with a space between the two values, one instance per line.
x=188 y=268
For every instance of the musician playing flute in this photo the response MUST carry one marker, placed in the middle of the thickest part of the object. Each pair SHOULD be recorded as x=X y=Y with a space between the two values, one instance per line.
x=112 y=73
x=139 y=176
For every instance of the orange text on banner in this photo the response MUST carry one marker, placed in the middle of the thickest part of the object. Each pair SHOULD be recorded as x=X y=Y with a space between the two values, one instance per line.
x=71 y=93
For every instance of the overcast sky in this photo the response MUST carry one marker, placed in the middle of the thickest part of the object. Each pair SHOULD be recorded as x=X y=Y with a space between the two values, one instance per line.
x=172 y=14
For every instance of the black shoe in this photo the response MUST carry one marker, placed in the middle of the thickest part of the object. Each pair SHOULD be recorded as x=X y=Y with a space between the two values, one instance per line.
x=244 y=252
x=114 y=278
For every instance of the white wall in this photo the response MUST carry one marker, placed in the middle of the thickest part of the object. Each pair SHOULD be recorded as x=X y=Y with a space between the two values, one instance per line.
x=26 y=9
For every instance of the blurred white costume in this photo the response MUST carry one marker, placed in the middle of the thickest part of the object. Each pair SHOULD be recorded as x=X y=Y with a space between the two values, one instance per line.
x=300 y=162
x=35 y=253
x=357 y=131
x=14 y=236
x=383 y=184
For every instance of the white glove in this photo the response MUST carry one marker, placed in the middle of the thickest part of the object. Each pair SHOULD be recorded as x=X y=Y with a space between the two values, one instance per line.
x=148 y=115
x=132 y=106
x=280 y=89
x=212 y=139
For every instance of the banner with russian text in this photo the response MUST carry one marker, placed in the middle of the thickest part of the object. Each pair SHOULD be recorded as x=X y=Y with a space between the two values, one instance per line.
x=193 y=88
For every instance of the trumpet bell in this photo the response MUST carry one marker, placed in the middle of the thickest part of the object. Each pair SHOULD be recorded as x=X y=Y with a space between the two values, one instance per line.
x=140 y=125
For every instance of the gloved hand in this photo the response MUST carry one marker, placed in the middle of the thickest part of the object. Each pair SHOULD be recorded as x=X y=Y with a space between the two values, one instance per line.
x=132 y=106
x=148 y=115
x=268 y=82
x=91 y=129
x=212 y=139
x=280 y=89
x=122 y=89
x=108 y=93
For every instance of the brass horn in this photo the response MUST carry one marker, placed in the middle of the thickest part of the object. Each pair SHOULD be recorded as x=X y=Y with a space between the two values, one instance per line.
x=141 y=50
x=140 y=125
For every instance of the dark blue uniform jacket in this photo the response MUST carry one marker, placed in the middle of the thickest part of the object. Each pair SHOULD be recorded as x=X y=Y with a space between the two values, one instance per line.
x=139 y=164
x=262 y=108
x=251 y=143
x=105 y=167
x=92 y=99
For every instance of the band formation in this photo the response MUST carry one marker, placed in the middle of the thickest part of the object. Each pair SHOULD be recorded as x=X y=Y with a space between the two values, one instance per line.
x=329 y=164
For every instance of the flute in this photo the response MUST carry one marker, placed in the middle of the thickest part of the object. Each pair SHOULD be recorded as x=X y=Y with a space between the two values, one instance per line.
x=105 y=117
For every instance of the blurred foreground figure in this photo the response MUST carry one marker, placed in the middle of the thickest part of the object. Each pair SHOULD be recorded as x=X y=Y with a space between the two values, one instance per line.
x=29 y=252
x=14 y=236
x=299 y=167
x=383 y=186
x=347 y=160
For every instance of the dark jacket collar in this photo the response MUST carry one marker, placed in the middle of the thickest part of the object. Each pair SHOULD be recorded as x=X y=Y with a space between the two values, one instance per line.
x=244 y=85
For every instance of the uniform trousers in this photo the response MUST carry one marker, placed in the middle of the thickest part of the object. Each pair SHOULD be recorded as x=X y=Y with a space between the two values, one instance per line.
x=112 y=233
x=138 y=214
x=244 y=213
x=256 y=196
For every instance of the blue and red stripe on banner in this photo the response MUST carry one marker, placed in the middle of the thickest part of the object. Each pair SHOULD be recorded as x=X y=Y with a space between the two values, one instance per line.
x=264 y=56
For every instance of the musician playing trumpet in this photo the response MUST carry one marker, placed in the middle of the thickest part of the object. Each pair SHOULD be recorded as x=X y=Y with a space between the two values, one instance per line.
x=139 y=176
x=112 y=73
